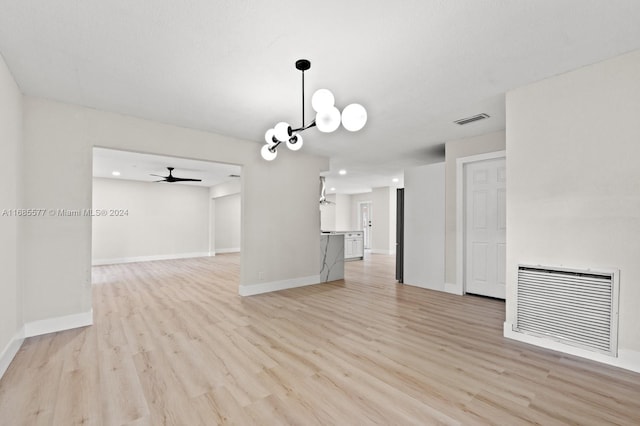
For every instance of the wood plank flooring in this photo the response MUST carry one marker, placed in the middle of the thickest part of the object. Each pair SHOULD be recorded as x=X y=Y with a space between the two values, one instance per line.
x=174 y=344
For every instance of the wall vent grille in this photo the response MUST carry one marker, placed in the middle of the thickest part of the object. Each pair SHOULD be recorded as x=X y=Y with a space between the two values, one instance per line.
x=471 y=119
x=575 y=307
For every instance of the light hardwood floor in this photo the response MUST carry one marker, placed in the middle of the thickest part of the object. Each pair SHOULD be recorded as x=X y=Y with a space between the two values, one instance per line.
x=173 y=343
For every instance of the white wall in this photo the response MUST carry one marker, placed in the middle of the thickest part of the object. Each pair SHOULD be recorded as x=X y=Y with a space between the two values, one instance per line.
x=337 y=217
x=58 y=141
x=225 y=188
x=227 y=224
x=10 y=225
x=228 y=220
x=424 y=226
x=162 y=221
x=343 y=213
x=356 y=199
x=573 y=182
x=383 y=217
x=455 y=149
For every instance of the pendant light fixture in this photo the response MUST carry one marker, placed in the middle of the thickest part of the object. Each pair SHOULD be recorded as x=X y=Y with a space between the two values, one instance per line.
x=328 y=119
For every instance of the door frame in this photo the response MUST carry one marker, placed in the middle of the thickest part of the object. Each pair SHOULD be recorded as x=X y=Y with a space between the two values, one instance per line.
x=461 y=238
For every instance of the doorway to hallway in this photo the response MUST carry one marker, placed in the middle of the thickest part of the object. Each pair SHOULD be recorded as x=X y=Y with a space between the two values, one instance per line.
x=365 y=213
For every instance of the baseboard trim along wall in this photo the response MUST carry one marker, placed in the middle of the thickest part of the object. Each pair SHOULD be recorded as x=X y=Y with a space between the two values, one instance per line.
x=627 y=359
x=380 y=251
x=252 y=289
x=228 y=250
x=10 y=351
x=99 y=262
x=52 y=325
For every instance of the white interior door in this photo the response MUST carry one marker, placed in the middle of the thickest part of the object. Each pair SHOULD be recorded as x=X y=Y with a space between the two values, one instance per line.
x=485 y=227
x=364 y=219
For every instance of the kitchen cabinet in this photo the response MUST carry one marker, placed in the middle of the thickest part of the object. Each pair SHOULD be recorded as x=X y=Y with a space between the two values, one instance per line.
x=353 y=245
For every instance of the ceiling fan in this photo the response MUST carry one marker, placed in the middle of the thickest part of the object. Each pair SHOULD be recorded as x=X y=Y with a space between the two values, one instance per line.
x=323 y=195
x=172 y=178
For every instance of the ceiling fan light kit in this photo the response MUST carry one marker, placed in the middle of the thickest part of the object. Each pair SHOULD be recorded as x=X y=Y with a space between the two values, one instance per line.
x=327 y=120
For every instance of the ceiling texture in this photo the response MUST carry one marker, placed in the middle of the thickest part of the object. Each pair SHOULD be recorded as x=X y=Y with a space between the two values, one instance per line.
x=227 y=66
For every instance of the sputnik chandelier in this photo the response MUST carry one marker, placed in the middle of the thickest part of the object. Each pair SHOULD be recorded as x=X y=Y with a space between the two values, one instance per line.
x=328 y=119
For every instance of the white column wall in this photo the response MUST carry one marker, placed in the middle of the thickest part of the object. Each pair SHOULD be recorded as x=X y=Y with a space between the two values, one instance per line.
x=280 y=240
x=424 y=226
x=10 y=224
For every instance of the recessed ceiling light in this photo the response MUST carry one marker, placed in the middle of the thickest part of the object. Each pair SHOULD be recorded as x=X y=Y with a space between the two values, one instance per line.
x=115 y=173
x=343 y=172
x=395 y=180
x=332 y=189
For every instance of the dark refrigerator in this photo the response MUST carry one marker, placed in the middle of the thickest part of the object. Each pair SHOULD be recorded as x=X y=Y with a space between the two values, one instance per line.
x=399 y=234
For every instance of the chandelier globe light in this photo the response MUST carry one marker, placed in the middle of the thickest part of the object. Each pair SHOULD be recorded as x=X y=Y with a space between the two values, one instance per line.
x=282 y=131
x=295 y=143
x=354 y=117
x=322 y=99
x=267 y=153
x=269 y=137
x=327 y=120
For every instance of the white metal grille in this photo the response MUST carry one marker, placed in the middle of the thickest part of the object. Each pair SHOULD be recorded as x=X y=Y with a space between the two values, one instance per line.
x=576 y=307
x=471 y=119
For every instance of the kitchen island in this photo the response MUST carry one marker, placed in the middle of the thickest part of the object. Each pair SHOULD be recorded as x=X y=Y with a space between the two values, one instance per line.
x=353 y=244
x=331 y=257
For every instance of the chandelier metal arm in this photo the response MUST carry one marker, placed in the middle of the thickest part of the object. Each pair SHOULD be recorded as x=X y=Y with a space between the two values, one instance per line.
x=275 y=145
x=308 y=126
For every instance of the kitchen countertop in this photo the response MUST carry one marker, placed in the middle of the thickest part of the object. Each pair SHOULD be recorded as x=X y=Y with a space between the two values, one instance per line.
x=339 y=232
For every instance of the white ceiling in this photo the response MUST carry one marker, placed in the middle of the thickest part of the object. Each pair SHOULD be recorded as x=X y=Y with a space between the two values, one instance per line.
x=227 y=66
x=140 y=167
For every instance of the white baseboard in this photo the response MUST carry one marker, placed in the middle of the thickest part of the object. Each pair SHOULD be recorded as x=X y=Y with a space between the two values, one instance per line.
x=453 y=289
x=259 y=288
x=627 y=359
x=36 y=328
x=10 y=351
x=379 y=251
x=51 y=325
x=228 y=250
x=98 y=262
x=421 y=284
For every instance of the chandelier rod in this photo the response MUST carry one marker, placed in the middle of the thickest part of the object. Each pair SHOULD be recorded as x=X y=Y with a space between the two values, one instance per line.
x=303 y=65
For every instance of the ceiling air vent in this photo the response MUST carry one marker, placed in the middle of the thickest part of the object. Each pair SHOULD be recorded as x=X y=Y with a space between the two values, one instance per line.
x=471 y=119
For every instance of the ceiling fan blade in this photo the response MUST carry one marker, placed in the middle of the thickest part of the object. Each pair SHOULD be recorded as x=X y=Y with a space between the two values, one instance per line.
x=171 y=178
